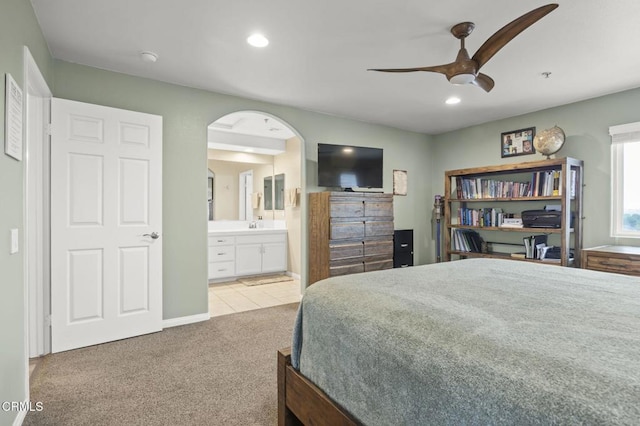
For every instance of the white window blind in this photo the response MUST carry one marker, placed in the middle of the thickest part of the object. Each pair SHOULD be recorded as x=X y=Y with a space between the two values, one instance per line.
x=625 y=133
x=625 y=178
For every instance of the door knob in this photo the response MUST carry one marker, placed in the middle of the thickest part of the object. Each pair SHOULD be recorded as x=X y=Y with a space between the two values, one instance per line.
x=153 y=235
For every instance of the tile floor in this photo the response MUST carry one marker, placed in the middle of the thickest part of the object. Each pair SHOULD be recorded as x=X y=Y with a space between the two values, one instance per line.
x=230 y=297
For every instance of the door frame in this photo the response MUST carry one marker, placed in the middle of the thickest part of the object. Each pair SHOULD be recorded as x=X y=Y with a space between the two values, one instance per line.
x=36 y=227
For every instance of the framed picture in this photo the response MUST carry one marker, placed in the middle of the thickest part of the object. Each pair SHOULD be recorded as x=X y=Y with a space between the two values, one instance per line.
x=517 y=142
x=399 y=182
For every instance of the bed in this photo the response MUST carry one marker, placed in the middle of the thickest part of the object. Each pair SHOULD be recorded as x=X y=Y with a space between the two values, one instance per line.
x=477 y=341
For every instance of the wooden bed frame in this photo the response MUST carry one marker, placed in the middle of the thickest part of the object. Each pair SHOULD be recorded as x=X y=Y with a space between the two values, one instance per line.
x=300 y=402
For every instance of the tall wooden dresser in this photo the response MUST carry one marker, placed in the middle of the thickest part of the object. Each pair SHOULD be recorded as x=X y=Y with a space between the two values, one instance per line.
x=349 y=232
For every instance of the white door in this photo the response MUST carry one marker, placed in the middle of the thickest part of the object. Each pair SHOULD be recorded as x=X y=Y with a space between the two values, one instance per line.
x=106 y=223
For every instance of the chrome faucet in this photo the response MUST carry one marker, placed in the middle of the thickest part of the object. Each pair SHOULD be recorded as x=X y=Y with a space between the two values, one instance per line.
x=253 y=224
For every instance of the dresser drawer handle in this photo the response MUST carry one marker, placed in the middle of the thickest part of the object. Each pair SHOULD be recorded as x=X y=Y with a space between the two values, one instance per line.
x=404 y=245
x=222 y=270
x=404 y=265
x=221 y=254
x=222 y=241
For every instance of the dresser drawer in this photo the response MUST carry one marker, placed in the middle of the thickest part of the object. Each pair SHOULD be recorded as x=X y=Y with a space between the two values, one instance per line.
x=378 y=265
x=374 y=248
x=629 y=265
x=613 y=258
x=354 y=268
x=346 y=230
x=345 y=251
x=221 y=269
x=378 y=228
x=355 y=209
x=378 y=209
x=221 y=240
x=221 y=253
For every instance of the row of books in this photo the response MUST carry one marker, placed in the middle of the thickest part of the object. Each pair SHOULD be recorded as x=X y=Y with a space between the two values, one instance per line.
x=542 y=184
x=487 y=217
x=475 y=188
x=466 y=240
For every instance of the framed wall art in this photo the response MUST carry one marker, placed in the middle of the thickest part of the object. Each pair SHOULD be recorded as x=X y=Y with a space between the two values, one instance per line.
x=517 y=142
x=399 y=182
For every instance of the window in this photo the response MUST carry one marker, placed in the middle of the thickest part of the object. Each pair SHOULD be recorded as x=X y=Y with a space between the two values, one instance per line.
x=625 y=180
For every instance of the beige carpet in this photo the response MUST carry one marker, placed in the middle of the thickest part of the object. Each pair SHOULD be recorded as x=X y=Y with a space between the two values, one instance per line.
x=265 y=279
x=218 y=372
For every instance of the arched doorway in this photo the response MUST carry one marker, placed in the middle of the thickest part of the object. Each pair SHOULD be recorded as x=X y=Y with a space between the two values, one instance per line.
x=258 y=163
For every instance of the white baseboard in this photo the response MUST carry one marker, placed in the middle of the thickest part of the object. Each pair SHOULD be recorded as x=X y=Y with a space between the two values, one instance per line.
x=174 y=322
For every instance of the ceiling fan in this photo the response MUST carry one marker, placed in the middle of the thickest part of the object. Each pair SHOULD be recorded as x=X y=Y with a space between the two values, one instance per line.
x=465 y=70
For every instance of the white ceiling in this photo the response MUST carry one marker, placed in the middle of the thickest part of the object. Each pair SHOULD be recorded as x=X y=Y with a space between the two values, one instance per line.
x=319 y=52
x=249 y=131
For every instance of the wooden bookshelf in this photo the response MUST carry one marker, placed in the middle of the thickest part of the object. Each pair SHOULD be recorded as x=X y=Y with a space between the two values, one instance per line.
x=570 y=238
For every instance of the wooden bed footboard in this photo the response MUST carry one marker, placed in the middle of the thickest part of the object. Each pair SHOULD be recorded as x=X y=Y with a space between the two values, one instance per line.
x=300 y=402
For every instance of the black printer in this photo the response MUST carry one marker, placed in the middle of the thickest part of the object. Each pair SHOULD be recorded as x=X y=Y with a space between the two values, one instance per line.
x=543 y=219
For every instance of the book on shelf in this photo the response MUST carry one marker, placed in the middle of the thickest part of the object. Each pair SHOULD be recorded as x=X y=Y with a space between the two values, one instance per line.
x=534 y=243
x=511 y=222
x=466 y=240
x=519 y=255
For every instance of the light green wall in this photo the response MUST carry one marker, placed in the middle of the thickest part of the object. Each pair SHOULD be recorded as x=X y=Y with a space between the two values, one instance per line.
x=586 y=125
x=186 y=113
x=18 y=28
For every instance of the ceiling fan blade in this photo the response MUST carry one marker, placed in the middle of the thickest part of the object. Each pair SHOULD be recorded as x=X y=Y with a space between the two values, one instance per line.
x=484 y=82
x=509 y=32
x=438 y=68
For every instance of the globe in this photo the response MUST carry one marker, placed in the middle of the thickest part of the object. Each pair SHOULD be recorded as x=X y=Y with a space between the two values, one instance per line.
x=549 y=141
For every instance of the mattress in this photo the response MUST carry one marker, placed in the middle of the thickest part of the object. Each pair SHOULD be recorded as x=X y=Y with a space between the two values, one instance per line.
x=477 y=341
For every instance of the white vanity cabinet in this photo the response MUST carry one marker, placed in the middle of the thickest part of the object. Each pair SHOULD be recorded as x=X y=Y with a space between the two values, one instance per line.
x=258 y=254
x=250 y=252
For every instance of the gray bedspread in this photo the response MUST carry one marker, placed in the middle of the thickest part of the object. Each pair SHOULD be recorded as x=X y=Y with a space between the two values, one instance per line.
x=479 y=341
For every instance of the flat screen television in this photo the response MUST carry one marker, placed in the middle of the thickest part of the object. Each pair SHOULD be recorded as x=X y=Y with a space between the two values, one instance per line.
x=344 y=166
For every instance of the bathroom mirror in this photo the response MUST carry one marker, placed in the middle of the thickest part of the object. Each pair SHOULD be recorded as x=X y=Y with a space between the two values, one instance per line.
x=278 y=192
x=268 y=191
x=274 y=187
x=234 y=192
x=249 y=153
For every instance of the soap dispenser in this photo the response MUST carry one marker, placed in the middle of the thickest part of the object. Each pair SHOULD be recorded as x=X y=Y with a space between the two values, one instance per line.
x=260 y=222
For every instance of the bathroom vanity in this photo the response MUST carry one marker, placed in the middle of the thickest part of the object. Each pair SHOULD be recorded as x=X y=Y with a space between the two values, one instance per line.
x=240 y=252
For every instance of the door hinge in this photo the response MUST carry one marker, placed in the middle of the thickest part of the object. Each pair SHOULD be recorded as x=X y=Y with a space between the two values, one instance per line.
x=48 y=129
x=47 y=320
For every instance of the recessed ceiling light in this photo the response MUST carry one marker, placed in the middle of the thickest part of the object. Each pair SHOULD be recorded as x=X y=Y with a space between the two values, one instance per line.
x=452 y=100
x=347 y=150
x=147 y=56
x=257 y=40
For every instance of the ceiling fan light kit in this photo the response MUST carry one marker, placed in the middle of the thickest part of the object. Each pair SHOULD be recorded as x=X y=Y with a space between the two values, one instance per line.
x=462 y=78
x=465 y=69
